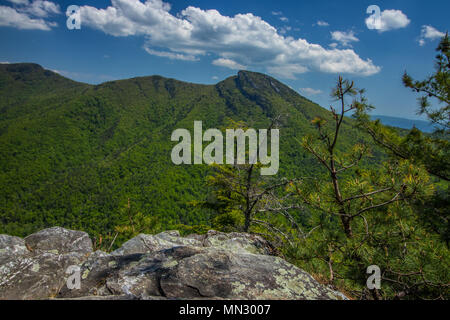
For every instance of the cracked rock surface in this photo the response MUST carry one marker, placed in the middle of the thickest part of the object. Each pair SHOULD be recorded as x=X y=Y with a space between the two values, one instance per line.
x=162 y=266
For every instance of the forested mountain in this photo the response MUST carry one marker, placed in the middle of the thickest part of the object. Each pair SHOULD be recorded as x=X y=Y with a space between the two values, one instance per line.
x=97 y=158
x=78 y=155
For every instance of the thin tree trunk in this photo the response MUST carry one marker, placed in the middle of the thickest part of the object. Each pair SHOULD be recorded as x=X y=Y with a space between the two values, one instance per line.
x=347 y=226
x=247 y=221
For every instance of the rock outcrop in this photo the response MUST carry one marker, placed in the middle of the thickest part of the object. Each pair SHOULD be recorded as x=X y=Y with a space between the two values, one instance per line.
x=162 y=266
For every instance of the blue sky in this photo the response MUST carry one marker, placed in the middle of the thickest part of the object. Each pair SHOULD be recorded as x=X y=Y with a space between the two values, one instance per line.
x=305 y=44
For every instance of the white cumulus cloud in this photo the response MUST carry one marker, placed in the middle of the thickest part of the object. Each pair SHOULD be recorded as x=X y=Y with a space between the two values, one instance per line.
x=9 y=17
x=429 y=33
x=389 y=20
x=322 y=23
x=288 y=71
x=29 y=15
x=24 y=2
x=310 y=91
x=41 y=9
x=228 y=63
x=171 y=55
x=245 y=39
x=344 y=38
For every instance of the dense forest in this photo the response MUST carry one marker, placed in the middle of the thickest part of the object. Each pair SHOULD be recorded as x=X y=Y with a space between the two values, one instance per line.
x=350 y=192
x=78 y=155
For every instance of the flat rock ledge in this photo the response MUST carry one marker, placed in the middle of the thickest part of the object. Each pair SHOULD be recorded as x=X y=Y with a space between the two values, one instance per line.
x=151 y=267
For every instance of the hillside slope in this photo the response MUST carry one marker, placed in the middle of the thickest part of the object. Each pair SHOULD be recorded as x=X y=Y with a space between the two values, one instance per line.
x=72 y=154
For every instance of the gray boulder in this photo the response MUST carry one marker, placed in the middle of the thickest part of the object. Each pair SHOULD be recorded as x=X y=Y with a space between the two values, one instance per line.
x=238 y=242
x=10 y=248
x=34 y=267
x=145 y=243
x=162 y=266
x=59 y=240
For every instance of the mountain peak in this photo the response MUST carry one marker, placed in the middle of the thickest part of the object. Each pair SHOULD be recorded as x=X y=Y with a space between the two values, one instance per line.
x=34 y=76
x=250 y=80
x=29 y=73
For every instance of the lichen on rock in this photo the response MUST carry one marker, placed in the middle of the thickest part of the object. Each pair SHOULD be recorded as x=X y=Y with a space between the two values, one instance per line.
x=163 y=266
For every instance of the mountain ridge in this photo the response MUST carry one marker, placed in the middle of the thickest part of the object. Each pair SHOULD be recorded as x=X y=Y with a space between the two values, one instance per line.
x=74 y=155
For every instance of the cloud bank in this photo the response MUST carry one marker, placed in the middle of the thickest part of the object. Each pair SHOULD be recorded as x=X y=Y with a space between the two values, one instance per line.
x=237 y=42
x=429 y=33
x=242 y=40
x=228 y=63
x=310 y=91
x=389 y=20
x=344 y=38
x=28 y=15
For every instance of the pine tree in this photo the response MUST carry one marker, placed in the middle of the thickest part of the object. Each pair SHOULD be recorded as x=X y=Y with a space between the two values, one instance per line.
x=433 y=152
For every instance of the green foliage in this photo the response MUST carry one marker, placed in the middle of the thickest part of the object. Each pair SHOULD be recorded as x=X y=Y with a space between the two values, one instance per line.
x=97 y=158
x=431 y=151
x=72 y=154
x=436 y=86
x=413 y=261
x=366 y=216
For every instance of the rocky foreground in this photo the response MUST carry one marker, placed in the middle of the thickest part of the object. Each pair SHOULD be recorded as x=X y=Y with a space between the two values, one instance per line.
x=162 y=266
